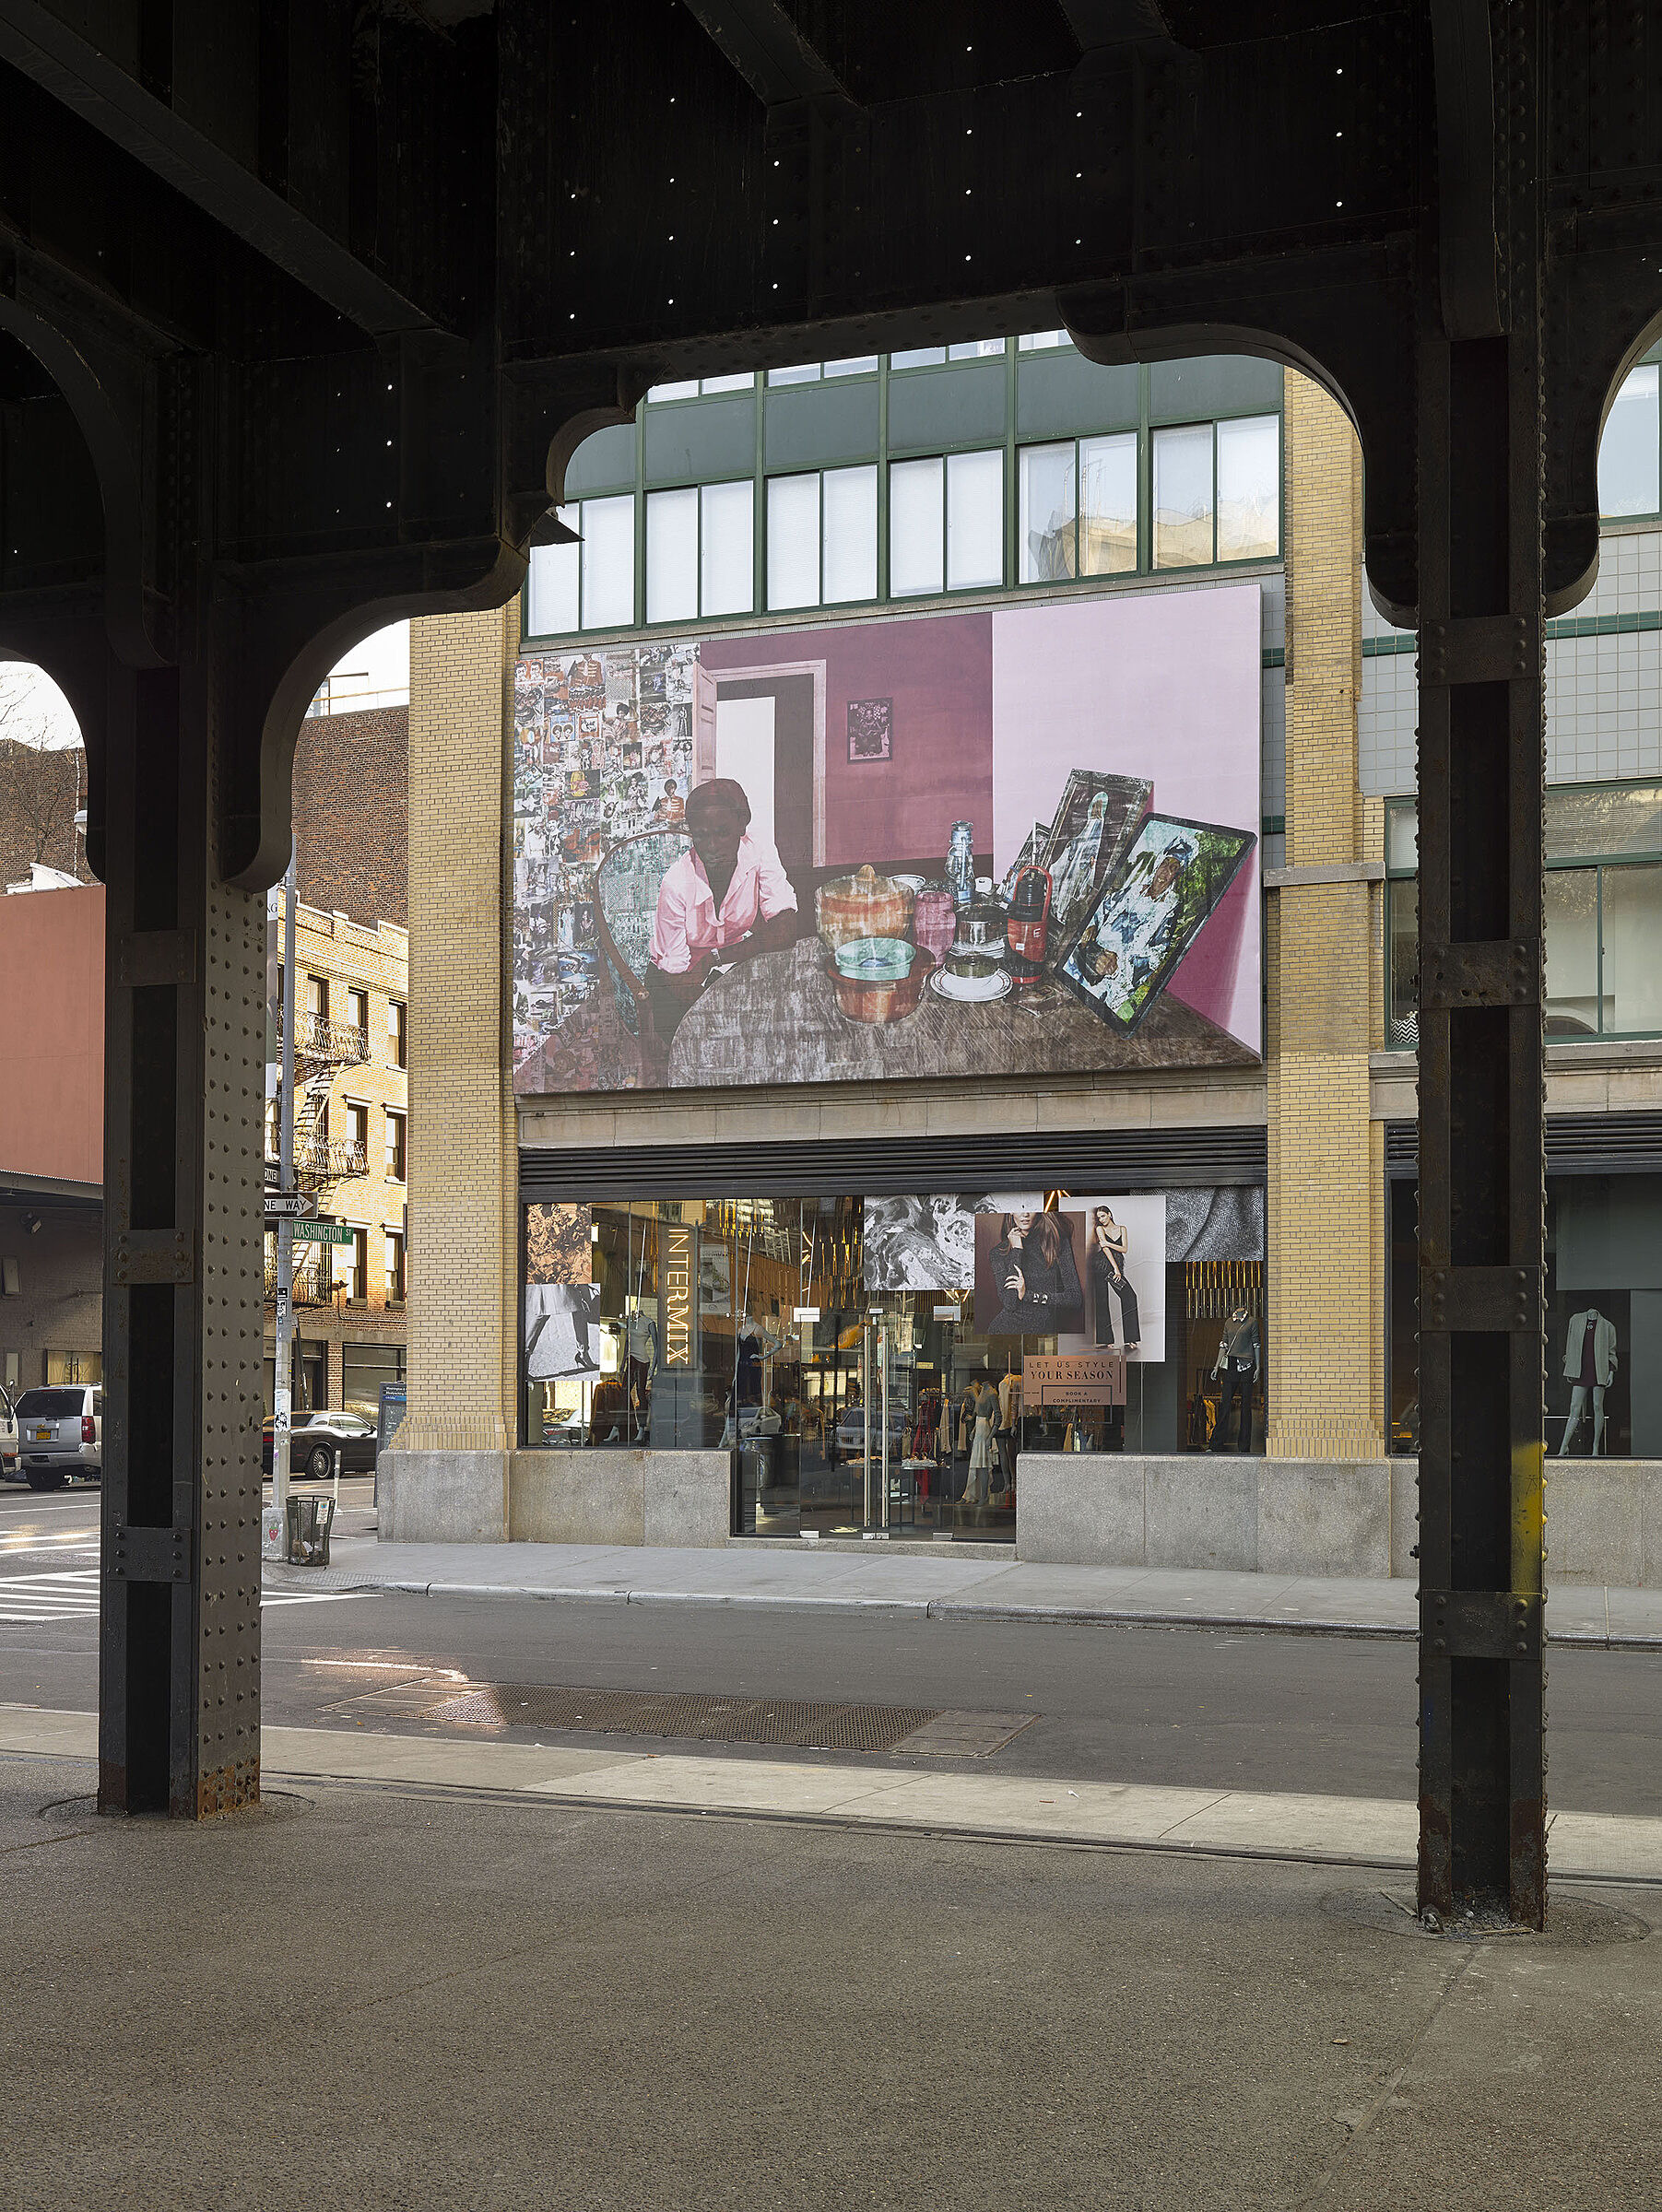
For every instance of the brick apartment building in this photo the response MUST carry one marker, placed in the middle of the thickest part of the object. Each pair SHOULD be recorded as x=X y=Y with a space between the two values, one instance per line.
x=351 y=808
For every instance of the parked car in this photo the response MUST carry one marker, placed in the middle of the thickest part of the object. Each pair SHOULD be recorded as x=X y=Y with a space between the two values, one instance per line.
x=9 y=1468
x=313 y=1441
x=851 y=1432
x=60 y=1434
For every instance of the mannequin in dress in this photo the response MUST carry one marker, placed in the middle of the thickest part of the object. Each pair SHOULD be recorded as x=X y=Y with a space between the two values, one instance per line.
x=1590 y=1365
x=984 y=1411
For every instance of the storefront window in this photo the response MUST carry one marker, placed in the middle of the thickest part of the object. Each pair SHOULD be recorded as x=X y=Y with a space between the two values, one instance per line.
x=1604 y=1316
x=826 y=1341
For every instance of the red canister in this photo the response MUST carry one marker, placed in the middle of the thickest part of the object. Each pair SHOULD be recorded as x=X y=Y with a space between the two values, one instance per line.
x=1027 y=931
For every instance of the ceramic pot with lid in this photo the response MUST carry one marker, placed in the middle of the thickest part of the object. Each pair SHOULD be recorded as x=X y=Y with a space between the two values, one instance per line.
x=864 y=905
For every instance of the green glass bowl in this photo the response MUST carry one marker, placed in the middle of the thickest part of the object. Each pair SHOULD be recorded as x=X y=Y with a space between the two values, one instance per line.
x=876 y=960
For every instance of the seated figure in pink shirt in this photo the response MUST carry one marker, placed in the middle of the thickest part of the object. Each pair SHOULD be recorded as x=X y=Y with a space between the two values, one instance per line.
x=725 y=900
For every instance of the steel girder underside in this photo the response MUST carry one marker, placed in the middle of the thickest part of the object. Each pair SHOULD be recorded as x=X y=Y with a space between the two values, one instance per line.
x=302 y=311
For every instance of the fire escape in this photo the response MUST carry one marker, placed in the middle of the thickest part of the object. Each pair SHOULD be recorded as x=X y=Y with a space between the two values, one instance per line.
x=323 y=1050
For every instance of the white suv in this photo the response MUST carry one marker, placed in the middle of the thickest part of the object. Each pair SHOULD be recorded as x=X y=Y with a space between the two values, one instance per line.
x=60 y=1434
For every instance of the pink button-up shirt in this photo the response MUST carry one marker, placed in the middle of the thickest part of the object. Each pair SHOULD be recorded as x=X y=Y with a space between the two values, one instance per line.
x=687 y=925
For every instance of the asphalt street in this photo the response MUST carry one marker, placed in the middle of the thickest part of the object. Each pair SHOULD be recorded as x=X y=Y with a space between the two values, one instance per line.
x=1331 y=1715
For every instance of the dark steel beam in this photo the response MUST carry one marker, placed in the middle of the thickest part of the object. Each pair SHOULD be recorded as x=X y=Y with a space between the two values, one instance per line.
x=764 y=45
x=37 y=42
x=179 y=1632
x=1482 y=1166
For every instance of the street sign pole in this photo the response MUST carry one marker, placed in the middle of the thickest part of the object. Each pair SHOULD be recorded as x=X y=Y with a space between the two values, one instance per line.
x=285 y=1282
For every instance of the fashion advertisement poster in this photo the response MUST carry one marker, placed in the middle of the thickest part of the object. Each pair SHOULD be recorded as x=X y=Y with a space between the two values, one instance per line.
x=1122 y=1275
x=1005 y=841
x=559 y=1243
x=562 y=1330
x=1029 y=1271
x=920 y=1243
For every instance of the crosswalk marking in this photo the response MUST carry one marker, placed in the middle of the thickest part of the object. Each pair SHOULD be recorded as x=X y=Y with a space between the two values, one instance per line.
x=70 y=1593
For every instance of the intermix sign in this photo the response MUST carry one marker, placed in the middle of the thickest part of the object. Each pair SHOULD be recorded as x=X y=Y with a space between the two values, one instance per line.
x=679 y=1298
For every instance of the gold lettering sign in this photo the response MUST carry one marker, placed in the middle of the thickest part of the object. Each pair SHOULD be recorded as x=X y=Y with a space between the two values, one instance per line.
x=1074 y=1379
x=678 y=1287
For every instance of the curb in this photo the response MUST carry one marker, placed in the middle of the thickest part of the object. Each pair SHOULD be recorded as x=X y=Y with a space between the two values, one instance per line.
x=932 y=1609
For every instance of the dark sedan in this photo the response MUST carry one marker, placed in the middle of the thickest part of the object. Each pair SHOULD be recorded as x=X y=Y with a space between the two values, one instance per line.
x=313 y=1438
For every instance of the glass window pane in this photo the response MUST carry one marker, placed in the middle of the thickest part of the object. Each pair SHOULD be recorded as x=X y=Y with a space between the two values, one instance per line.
x=920 y=357
x=916 y=494
x=609 y=562
x=1183 y=496
x=1045 y=513
x=743 y=382
x=1402 y=839
x=1108 y=505
x=794 y=541
x=850 y=520
x=1040 y=341
x=1403 y=1020
x=1249 y=488
x=1628 y=450
x=1572 y=952
x=553 y=593
x=861 y=364
x=1597 y=824
x=1633 y=929
x=672 y=556
x=975 y=519
x=687 y=389
x=978 y=349
x=804 y=373
x=728 y=560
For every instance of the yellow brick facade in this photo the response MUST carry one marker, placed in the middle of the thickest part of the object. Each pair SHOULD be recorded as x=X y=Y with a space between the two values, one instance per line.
x=375 y=960
x=1326 y=1252
x=463 y=1343
x=1326 y=1257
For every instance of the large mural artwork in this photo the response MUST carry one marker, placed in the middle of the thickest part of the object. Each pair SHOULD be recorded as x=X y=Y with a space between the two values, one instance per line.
x=992 y=844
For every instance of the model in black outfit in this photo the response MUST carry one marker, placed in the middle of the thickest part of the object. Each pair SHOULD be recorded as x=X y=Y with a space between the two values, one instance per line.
x=1108 y=1275
x=1036 y=1277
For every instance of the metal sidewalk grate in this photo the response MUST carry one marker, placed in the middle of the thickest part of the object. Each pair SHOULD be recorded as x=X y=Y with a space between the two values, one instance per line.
x=685 y=1718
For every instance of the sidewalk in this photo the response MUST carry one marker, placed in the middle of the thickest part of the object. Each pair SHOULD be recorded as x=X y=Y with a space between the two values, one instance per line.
x=958 y=1586
x=444 y=1982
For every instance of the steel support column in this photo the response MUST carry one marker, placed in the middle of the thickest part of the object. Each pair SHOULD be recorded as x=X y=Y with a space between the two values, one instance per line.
x=1482 y=1803
x=184 y=1113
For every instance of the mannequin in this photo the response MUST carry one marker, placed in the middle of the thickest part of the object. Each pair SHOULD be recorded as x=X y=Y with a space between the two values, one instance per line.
x=1240 y=1360
x=643 y=1365
x=1590 y=1365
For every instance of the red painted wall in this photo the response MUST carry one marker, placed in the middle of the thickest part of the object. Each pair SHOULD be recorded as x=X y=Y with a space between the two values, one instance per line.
x=52 y=1033
x=939 y=672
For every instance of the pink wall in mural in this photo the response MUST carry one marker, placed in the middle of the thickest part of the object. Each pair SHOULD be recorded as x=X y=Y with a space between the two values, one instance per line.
x=939 y=672
x=1162 y=685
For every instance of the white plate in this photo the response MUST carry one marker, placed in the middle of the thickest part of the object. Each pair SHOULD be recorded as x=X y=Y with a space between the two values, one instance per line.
x=968 y=991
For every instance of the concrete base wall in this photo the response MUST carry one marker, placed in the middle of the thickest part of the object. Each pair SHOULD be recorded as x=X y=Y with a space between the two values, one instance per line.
x=1226 y=1510
x=443 y=1497
x=1242 y=1514
x=620 y=1496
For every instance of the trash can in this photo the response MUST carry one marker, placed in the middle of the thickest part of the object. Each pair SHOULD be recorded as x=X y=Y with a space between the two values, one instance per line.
x=310 y=1519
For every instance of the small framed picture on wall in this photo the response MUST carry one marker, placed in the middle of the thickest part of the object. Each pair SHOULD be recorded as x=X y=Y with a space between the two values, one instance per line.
x=870 y=730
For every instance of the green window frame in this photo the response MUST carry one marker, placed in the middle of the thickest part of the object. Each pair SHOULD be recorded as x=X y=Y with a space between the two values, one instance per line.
x=1083 y=567
x=1602 y=892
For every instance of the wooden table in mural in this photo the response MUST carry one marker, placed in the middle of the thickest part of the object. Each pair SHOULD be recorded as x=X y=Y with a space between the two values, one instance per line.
x=775 y=1020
